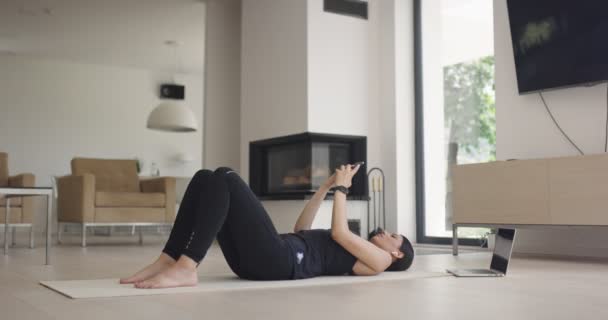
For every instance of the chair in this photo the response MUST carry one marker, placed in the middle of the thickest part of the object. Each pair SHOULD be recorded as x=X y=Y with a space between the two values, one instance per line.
x=102 y=192
x=21 y=208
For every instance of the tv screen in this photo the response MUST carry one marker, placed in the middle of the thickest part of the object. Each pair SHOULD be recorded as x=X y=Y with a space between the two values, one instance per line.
x=559 y=43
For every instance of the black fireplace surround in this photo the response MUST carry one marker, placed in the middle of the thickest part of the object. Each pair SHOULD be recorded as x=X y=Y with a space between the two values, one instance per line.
x=294 y=167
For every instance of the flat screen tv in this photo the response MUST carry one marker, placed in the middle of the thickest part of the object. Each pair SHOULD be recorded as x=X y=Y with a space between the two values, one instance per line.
x=559 y=43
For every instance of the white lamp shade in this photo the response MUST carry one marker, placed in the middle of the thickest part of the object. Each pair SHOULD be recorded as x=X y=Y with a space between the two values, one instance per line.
x=172 y=117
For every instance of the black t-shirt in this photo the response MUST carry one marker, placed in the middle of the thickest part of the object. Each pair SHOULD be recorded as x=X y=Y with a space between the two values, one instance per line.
x=316 y=253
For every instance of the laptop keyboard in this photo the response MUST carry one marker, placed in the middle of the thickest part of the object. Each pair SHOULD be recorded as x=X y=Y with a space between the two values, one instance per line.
x=478 y=271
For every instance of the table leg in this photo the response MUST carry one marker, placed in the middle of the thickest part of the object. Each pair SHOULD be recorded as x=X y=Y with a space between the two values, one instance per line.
x=454 y=240
x=13 y=236
x=49 y=206
x=83 y=235
x=32 y=236
x=59 y=232
x=6 y=216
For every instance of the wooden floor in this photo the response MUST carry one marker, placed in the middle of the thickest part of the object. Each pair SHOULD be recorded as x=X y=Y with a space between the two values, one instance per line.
x=535 y=289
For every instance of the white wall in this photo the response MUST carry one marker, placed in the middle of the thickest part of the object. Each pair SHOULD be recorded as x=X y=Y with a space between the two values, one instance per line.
x=405 y=144
x=342 y=83
x=525 y=130
x=222 y=132
x=392 y=132
x=53 y=111
x=273 y=84
x=341 y=66
x=344 y=78
x=361 y=82
x=381 y=105
x=59 y=110
x=273 y=71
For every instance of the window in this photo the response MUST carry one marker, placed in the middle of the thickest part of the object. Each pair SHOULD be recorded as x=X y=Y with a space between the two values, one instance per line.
x=454 y=105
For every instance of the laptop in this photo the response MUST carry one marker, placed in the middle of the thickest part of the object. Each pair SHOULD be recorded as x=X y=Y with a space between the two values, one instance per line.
x=500 y=259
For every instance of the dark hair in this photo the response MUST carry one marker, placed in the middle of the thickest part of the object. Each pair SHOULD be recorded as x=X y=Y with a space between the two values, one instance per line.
x=405 y=262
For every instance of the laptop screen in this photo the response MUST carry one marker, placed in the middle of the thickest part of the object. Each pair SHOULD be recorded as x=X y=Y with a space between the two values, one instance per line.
x=502 y=250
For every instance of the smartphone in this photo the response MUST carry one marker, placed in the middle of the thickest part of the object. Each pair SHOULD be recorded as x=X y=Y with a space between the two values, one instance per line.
x=360 y=163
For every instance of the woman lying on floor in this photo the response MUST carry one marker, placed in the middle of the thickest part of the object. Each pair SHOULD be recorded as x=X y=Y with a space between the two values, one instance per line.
x=220 y=204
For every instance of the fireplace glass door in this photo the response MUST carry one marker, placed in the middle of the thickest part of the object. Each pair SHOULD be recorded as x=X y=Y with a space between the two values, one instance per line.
x=298 y=167
x=295 y=166
x=288 y=168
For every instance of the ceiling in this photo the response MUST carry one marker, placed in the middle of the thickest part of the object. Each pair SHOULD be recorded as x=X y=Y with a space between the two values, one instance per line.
x=110 y=32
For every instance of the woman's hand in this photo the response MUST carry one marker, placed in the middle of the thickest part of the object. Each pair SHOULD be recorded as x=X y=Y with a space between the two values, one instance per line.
x=344 y=175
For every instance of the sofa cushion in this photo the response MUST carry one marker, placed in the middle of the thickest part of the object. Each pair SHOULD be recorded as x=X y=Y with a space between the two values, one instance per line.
x=15 y=202
x=110 y=175
x=114 y=215
x=130 y=199
x=3 y=169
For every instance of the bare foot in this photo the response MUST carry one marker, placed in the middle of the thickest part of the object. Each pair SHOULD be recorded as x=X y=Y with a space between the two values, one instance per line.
x=161 y=264
x=178 y=275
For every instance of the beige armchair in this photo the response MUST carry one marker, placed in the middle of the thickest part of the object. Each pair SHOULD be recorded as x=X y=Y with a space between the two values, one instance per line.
x=103 y=192
x=21 y=208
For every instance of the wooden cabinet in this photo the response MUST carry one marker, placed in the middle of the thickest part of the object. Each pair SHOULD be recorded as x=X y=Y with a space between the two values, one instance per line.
x=556 y=191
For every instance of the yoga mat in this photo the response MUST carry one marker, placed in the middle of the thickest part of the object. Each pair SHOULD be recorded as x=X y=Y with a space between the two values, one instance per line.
x=106 y=288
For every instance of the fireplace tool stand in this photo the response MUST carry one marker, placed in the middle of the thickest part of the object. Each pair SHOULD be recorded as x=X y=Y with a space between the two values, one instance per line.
x=376 y=210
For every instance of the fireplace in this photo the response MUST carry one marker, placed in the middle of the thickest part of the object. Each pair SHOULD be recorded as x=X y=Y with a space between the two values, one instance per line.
x=295 y=166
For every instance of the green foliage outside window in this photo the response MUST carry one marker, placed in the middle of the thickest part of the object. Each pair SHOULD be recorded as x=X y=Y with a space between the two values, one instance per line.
x=470 y=109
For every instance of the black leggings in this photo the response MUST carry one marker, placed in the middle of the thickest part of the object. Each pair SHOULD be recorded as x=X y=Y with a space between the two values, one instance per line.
x=221 y=204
